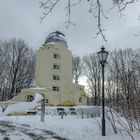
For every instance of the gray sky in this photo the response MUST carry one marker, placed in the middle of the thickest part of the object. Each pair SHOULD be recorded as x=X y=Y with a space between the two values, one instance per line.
x=21 y=19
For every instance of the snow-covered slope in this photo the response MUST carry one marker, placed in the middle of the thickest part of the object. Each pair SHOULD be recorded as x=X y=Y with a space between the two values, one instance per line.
x=23 y=106
x=71 y=127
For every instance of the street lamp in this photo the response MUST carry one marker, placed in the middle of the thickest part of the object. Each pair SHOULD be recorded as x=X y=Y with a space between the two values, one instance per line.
x=102 y=55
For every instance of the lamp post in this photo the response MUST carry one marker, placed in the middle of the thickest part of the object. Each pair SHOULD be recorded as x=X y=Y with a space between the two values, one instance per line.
x=102 y=55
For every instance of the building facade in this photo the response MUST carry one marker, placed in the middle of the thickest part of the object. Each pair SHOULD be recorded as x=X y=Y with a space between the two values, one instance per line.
x=53 y=76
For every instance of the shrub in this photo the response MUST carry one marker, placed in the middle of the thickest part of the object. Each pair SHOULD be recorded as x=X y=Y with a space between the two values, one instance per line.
x=50 y=104
x=17 y=114
x=67 y=103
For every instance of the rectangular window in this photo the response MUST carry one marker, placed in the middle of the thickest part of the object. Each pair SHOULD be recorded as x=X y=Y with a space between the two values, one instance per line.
x=56 y=56
x=55 y=77
x=47 y=101
x=55 y=88
x=80 y=99
x=56 y=66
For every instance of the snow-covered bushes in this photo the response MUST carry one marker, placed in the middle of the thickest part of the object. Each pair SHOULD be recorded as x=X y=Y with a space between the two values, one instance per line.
x=86 y=111
x=89 y=112
x=67 y=103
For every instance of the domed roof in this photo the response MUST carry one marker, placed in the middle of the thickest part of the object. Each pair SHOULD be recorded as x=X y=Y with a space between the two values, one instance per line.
x=56 y=36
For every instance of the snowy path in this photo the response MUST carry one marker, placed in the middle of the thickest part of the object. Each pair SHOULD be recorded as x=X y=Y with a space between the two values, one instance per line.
x=70 y=127
x=25 y=132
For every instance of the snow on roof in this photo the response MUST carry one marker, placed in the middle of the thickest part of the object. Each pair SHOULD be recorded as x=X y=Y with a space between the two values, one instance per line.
x=23 y=106
x=56 y=36
x=40 y=88
x=51 y=43
x=38 y=97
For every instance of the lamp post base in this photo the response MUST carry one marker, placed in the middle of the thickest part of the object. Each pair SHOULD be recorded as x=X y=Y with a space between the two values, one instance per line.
x=103 y=127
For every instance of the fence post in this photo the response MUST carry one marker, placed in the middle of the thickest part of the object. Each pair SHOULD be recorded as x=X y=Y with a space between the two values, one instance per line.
x=43 y=110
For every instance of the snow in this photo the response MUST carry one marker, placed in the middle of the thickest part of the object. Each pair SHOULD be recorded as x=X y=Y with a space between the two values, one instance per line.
x=71 y=127
x=23 y=106
x=88 y=110
x=37 y=98
x=51 y=43
x=39 y=88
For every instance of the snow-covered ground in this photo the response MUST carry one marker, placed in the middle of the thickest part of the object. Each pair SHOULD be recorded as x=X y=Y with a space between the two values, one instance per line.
x=23 y=106
x=71 y=127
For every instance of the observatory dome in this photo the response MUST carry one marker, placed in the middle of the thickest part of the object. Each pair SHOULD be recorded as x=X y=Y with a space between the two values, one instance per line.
x=56 y=36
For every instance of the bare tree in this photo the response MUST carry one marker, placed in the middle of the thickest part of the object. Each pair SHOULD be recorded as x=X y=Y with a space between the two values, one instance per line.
x=3 y=68
x=77 y=68
x=18 y=72
x=95 y=8
x=125 y=79
x=92 y=71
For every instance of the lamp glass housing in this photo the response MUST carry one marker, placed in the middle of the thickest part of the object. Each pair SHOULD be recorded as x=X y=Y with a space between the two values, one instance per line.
x=102 y=55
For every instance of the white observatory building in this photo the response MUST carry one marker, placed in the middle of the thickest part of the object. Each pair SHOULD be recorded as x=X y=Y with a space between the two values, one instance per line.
x=54 y=73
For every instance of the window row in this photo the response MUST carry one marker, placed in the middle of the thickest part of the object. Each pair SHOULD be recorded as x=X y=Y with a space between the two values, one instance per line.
x=30 y=98
x=56 y=77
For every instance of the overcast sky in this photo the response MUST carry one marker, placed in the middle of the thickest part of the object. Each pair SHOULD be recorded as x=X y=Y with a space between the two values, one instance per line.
x=21 y=19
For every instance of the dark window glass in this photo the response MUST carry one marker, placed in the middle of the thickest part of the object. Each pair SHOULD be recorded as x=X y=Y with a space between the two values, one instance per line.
x=55 y=77
x=47 y=101
x=80 y=99
x=55 y=66
x=55 y=88
x=56 y=56
x=30 y=98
